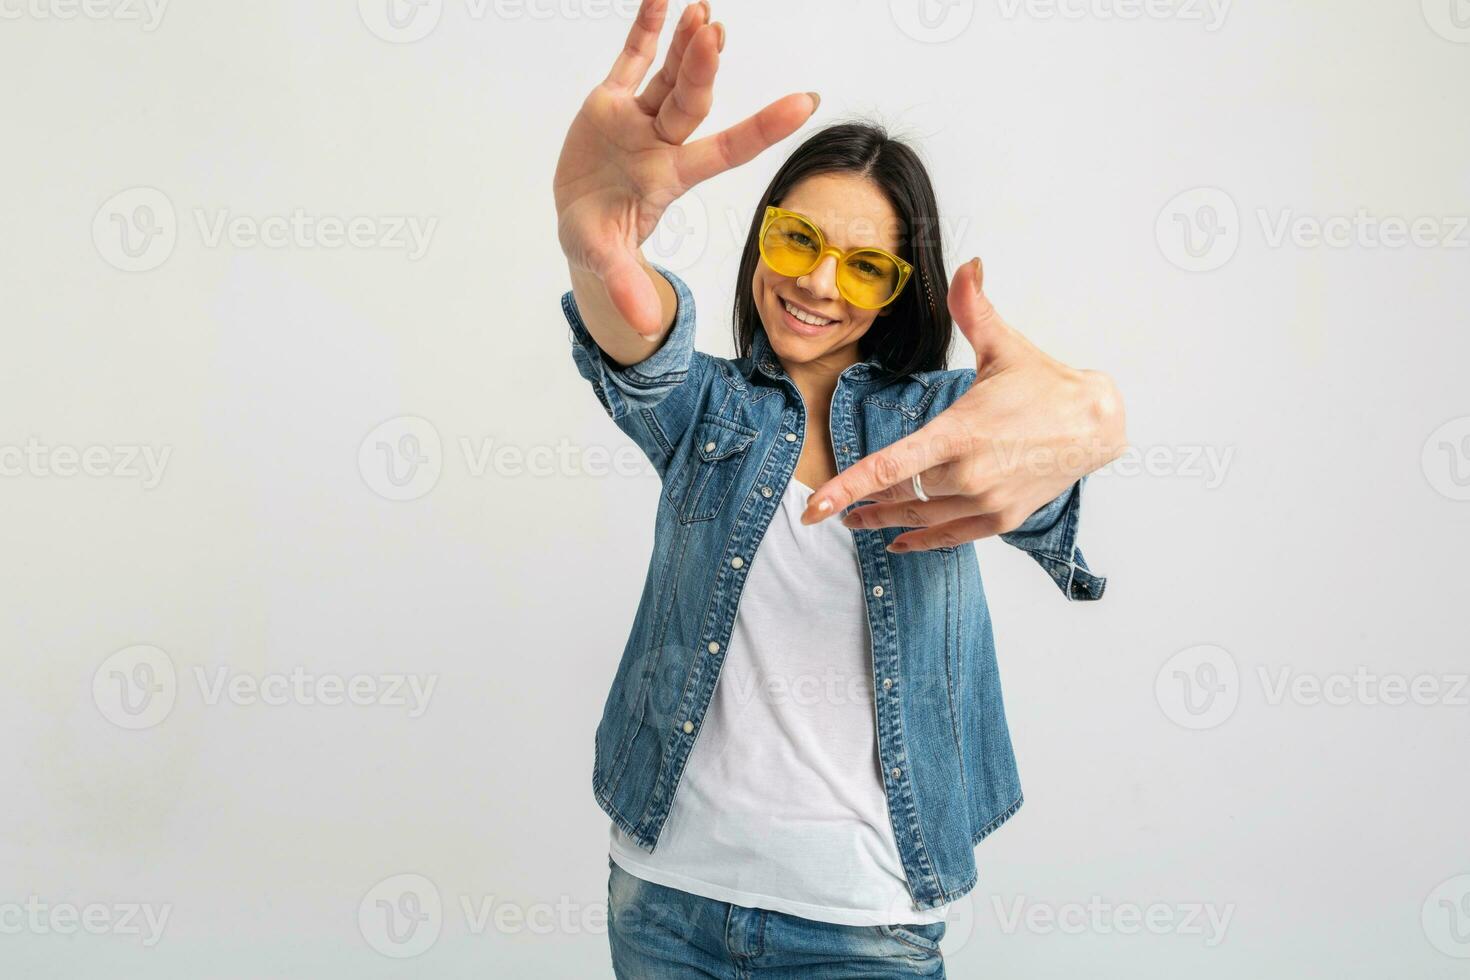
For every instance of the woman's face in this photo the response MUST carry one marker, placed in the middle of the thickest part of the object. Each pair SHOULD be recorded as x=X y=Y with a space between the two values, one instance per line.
x=851 y=211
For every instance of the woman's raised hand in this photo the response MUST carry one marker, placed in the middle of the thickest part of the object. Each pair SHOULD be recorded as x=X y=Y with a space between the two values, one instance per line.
x=625 y=159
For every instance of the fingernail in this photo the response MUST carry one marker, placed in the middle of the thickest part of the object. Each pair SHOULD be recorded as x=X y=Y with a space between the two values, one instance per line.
x=852 y=520
x=899 y=546
x=720 y=44
x=978 y=272
x=815 y=512
x=816 y=100
x=705 y=5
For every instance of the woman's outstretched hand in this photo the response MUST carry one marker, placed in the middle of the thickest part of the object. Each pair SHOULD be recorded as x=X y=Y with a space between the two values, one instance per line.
x=625 y=159
x=1028 y=428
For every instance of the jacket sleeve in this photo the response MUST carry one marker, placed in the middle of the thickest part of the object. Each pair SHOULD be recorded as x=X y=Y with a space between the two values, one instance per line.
x=656 y=400
x=1050 y=537
x=1050 y=534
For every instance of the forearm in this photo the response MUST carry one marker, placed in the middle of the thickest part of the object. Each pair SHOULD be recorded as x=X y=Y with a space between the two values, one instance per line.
x=619 y=341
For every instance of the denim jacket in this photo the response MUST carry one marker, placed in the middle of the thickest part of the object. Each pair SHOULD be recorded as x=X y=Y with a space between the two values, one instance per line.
x=724 y=436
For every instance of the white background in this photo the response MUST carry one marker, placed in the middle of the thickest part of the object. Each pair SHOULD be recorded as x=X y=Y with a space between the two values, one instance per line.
x=1332 y=541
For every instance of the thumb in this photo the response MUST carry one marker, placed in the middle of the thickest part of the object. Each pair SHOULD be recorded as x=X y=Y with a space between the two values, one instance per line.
x=632 y=294
x=972 y=310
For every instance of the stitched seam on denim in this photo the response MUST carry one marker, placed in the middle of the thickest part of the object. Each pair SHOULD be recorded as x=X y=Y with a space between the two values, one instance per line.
x=953 y=600
x=902 y=936
x=753 y=506
x=661 y=631
x=657 y=431
x=995 y=823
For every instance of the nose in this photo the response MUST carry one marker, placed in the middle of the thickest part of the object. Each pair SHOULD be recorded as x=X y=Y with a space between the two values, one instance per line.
x=821 y=282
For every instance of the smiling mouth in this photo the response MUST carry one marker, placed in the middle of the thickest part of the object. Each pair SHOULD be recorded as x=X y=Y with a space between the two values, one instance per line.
x=805 y=316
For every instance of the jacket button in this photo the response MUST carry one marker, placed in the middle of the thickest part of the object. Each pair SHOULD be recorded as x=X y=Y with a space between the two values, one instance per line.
x=709 y=447
x=765 y=492
x=689 y=727
x=713 y=647
x=878 y=591
x=791 y=437
x=887 y=683
x=895 y=772
x=737 y=562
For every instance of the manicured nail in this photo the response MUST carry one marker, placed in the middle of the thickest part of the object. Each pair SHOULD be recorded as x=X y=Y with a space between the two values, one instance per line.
x=816 y=512
x=720 y=44
x=816 y=101
x=979 y=272
x=898 y=546
x=852 y=520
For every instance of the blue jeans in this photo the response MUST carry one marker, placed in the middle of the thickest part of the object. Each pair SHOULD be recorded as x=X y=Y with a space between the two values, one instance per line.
x=660 y=933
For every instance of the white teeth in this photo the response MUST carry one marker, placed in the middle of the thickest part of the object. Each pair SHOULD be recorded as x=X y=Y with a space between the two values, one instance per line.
x=804 y=316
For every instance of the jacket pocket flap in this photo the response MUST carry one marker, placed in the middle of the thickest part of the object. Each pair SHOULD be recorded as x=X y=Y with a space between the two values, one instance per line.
x=717 y=438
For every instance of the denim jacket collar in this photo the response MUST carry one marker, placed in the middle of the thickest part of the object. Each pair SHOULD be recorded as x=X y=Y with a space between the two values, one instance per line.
x=763 y=358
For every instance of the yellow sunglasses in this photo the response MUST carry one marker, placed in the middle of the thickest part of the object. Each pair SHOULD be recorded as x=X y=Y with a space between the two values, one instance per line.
x=868 y=278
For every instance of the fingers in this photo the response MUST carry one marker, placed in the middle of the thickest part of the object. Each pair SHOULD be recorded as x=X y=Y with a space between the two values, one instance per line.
x=912 y=513
x=641 y=46
x=744 y=141
x=936 y=443
x=633 y=295
x=972 y=309
x=950 y=534
x=694 y=17
x=694 y=91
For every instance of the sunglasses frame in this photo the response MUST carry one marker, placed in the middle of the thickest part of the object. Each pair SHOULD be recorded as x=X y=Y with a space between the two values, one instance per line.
x=772 y=213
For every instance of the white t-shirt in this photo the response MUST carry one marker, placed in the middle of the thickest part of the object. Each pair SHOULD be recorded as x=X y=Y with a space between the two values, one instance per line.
x=781 y=804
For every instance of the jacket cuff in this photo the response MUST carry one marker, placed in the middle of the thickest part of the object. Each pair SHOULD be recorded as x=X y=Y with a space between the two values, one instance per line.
x=640 y=385
x=1050 y=537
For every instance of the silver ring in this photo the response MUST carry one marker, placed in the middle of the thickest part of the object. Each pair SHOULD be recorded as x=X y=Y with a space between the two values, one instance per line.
x=919 y=488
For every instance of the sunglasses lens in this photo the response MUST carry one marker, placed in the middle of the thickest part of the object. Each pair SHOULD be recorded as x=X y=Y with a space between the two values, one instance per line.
x=790 y=246
x=869 y=278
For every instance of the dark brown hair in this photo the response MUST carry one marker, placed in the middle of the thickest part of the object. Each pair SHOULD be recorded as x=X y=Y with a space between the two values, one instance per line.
x=916 y=334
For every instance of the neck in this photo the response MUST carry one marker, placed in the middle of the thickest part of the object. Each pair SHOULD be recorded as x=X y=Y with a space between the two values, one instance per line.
x=817 y=379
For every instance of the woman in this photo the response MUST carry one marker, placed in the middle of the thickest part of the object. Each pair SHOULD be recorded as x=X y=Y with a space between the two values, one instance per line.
x=814 y=813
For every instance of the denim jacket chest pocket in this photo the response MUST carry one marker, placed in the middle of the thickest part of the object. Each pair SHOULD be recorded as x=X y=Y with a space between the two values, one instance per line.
x=699 y=487
x=888 y=420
